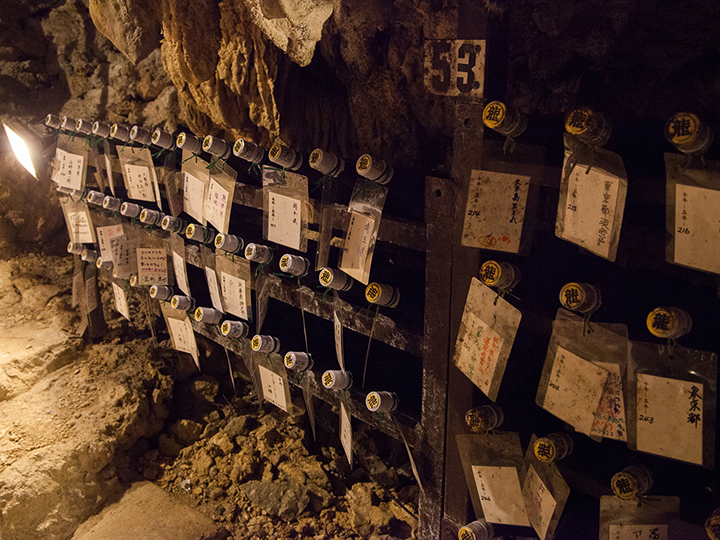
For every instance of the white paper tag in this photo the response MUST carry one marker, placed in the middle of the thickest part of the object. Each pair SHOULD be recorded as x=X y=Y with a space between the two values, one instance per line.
x=217 y=206
x=495 y=211
x=346 y=433
x=180 y=275
x=139 y=182
x=273 y=387
x=214 y=289
x=574 y=390
x=194 y=198
x=284 y=220
x=638 y=532
x=339 y=340
x=108 y=171
x=590 y=210
x=121 y=304
x=262 y=296
x=183 y=337
x=105 y=236
x=69 y=169
x=124 y=256
x=479 y=352
x=355 y=261
x=500 y=495
x=670 y=417
x=610 y=414
x=539 y=504
x=91 y=292
x=156 y=187
x=152 y=266
x=233 y=295
x=697 y=227
x=80 y=227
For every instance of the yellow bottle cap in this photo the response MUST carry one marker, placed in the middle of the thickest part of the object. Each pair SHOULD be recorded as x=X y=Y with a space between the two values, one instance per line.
x=225 y=328
x=490 y=272
x=712 y=526
x=199 y=314
x=572 y=295
x=466 y=534
x=174 y=302
x=255 y=343
x=664 y=323
x=284 y=262
x=275 y=150
x=326 y=276
x=372 y=401
x=494 y=114
x=578 y=121
x=373 y=292
x=327 y=379
x=682 y=128
x=624 y=485
x=545 y=450
x=190 y=230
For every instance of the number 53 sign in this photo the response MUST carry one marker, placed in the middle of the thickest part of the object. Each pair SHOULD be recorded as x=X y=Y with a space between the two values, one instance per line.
x=455 y=67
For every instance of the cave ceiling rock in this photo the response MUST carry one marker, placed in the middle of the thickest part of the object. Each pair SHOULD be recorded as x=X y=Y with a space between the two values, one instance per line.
x=133 y=26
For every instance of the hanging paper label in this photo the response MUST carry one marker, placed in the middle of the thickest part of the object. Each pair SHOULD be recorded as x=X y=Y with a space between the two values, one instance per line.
x=108 y=170
x=638 y=532
x=610 y=415
x=124 y=256
x=180 y=275
x=495 y=211
x=262 y=295
x=233 y=295
x=590 y=210
x=500 y=495
x=121 y=304
x=152 y=266
x=194 y=198
x=214 y=289
x=78 y=288
x=346 y=433
x=91 y=292
x=574 y=390
x=697 y=227
x=539 y=504
x=139 y=182
x=217 y=206
x=175 y=201
x=80 y=230
x=105 y=236
x=273 y=387
x=69 y=168
x=670 y=417
x=479 y=352
x=355 y=258
x=284 y=220
x=183 y=337
x=339 y=340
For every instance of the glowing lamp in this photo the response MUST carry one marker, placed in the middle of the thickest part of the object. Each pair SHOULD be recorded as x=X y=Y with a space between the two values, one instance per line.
x=29 y=144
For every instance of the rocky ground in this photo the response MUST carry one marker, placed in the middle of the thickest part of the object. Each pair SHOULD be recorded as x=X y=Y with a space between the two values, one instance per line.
x=79 y=422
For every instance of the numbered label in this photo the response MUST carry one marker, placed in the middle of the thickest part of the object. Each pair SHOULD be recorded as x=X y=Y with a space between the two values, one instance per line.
x=455 y=67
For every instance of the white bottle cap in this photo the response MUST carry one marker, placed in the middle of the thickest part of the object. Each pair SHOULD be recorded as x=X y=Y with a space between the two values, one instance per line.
x=140 y=135
x=53 y=121
x=172 y=224
x=248 y=151
x=130 y=210
x=83 y=126
x=285 y=157
x=374 y=169
x=111 y=203
x=294 y=265
x=298 y=361
x=101 y=130
x=258 y=253
x=326 y=162
x=180 y=302
x=160 y=292
x=89 y=255
x=75 y=249
x=229 y=243
x=381 y=401
x=102 y=264
x=337 y=379
x=121 y=133
x=67 y=123
x=215 y=146
x=234 y=329
x=163 y=139
x=265 y=344
x=95 y=197
x=189 y=142
x=208 y=315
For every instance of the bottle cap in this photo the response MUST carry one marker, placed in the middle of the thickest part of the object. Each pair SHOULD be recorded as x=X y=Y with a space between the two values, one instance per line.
x=229 y=243
x=335 y=279
x=150 y=217
x=234 y=329
x=553 y=447
x=208 y=315
x=499 y=274
x=374 y=169
x=688 y=133
x=103 y=264
x=172 y=224
x=248 y=151
x=140 y=135
x=163 y=139
x=130 y=210
x=298 y=361
x=631 y=482
x=67 y=123
x=133 y=280
x=111 y=203
x=712 y=526
x=95 y=197
x=294 y=265
x=326 y=162
x=160 y=292
x=215 y=146
x=285 y=157
x=337 y=379
x=189 y=142
x=75 y=249
x=580 y=297
x=669 y=322
x=258 y=253
x=180 y=302
x=477 y=530
x=83 y=126
x=589 y=126
x=265 y=344
x=101 y=130
x=381 y=401
x=494 y=114
x=484 y=418
x=198 y=233
x=53 y=121
x=120 y=133
x=383 y=295
x=89 y=255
